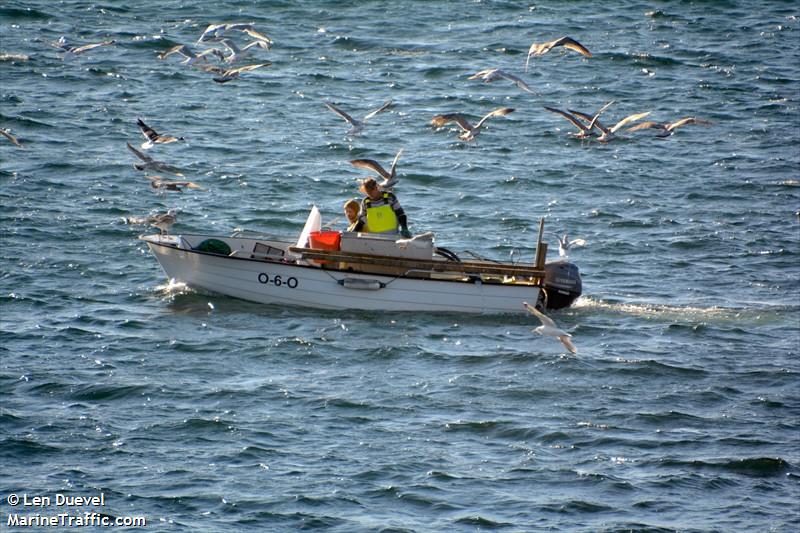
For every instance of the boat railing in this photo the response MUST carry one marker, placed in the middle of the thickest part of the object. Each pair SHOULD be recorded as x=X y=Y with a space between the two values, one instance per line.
x=399 y=265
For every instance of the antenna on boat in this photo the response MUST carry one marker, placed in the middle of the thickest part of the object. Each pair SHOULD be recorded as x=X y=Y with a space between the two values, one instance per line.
x=541 y=248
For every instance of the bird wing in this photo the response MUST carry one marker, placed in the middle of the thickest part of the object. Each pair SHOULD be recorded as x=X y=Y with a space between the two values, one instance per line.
x=10 y=137
x=140 y=155
x=647 y=124
x=440 y=120
x=371 y=164
x=592 y=120
x=246 y=68
x=147 y=131
x=386 y=104
x=565 y=340
x=87 y=47
x=577 y=123
x=685 y=121
x=211 y=29
x=546 y=320
x=518 y=81
x=394 y=163
x=628 y=120
x=483 y=74
x=572 y=44
x=496 y=113
x=577 y=242
x=231 y=46
x=181 y=49
x=257 y=35
x=341 y=113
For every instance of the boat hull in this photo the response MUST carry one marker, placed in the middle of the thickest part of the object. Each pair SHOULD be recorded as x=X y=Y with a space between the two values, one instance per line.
x=274 y=282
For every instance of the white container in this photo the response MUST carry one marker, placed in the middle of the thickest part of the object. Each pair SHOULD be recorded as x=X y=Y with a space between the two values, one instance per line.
x=418 y=247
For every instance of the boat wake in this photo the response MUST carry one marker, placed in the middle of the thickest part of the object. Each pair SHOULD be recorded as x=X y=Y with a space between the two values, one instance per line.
x=670 y=312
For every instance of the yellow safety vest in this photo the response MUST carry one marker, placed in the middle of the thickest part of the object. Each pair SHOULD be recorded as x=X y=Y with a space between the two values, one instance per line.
x=380 y=219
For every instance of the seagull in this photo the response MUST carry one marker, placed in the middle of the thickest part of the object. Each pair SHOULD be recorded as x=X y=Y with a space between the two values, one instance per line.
x=162 y=221
x=214 y=32
x=608 y=133
x=226 y=75
x=389 y=178
x=190 y=55
x=157 y=182
x=585 y=131
x=492 y=74
x=550 y=329
x=151 y=164
x=470 y=131
x=668 y=128
x=154 y=138
x=564 y=244
x=357 y=125
x=62 y=45
x=566 y=42
x=237 y=53
x=7 y=134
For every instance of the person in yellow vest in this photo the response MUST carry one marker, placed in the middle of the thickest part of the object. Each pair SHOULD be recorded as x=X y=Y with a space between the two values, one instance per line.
x=380 y=211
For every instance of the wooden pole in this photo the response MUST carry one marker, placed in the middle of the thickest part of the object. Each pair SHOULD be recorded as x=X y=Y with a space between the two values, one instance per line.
x=541 y=248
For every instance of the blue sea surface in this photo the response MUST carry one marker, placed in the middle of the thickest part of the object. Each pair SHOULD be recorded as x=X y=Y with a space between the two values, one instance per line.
x=681 y=410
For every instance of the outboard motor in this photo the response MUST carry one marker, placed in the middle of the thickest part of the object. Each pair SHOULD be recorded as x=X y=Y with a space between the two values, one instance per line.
x=562 y=284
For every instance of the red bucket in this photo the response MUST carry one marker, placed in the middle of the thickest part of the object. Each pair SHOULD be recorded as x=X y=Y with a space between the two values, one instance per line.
x=324 y=240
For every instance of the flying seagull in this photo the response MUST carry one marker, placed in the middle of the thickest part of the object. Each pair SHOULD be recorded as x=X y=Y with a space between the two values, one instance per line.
x=470 y=131
x=550 y=329
x=7 y=134
x=564 y=244
x=215 y=32
x=154 y=138
x=566 y=42
x=226 y=75
x=62 y=45
x=190 y=55
x=148 y=163
x=235 y=53
x=157 y=182
x=608 y=133
x=389 y=178
x=162 y=221
x=668 y=128
x=492 y=74
x=357 y=125
x=585 y=130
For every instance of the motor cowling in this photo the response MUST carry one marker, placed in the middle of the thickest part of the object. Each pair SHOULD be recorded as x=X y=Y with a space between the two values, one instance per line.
x=562 y=284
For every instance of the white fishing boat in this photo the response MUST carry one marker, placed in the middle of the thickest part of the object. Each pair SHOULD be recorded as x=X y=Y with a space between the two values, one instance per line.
x=365 y=271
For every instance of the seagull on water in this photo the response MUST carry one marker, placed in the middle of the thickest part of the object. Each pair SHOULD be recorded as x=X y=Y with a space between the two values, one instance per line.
x=549 y=328
x=492 y=74
x=157 y=182
x=357 y=125
x=564 y=244
x=389 y=178
x=154 y=138
x=7 y=134
x=668 y=128
x=608 y=133
x=567 y=42
x=190 y=55
x=470 y=131
x=148 y=163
